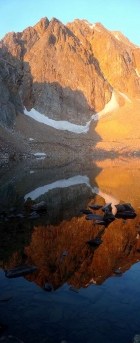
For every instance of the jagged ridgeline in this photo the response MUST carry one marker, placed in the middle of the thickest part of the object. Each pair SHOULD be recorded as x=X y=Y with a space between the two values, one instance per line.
x=67 y=72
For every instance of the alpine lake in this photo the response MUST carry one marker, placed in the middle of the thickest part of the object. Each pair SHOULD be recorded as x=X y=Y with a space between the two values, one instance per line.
x=77 y=264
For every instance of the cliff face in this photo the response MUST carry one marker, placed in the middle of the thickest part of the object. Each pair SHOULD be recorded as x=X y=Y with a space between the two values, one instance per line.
x=68 y=83
x=69 y=71
x=10 y=102
x=118 y=58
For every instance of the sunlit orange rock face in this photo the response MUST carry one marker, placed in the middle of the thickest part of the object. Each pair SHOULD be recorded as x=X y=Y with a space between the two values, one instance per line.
x=83 y=264
x=69 y=71
x=118 y=58
x=136 y=58
x=67 y=80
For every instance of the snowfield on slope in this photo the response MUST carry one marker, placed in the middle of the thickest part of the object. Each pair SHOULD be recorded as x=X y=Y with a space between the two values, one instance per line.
x=66 y=125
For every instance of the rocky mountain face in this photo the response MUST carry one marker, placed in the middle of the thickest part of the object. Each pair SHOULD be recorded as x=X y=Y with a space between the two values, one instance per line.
x=66 y=72
x=118 y=58
x=10 y=101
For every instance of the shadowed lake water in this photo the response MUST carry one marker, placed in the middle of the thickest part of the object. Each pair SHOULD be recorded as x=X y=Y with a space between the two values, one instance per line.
x=80 y=292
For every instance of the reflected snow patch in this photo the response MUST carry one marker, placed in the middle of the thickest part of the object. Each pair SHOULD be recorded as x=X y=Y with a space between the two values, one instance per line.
x=75 y=180
x=64 y=183
x=40 y=158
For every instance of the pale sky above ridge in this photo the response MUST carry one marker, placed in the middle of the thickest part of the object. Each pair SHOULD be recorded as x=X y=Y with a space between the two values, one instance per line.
x=120 y=15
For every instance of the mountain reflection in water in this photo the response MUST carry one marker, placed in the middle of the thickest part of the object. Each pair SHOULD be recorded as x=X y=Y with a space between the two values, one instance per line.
x=106 y=307
x=64 y=228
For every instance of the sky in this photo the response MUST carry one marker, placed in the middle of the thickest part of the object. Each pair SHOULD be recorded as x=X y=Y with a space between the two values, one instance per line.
x=120 y=15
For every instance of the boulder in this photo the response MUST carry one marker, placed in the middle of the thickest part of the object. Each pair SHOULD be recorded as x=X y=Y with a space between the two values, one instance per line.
x=41 y=206
x=136 y=339
x=20 y=271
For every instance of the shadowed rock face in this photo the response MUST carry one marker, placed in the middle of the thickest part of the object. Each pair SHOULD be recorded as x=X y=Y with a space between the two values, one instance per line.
x=10 y=101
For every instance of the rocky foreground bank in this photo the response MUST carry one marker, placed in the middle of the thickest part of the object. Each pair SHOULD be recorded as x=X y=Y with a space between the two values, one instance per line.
x=115 y=134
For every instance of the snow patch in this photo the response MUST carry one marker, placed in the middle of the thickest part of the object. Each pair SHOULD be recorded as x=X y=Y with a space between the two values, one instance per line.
x=86 y=22
x=57 y=124
x=116 y=36
x=90 y=25
x=65 y=125
x=125 y=96
x=112 y=105
x=137 y=72
x=39 y=154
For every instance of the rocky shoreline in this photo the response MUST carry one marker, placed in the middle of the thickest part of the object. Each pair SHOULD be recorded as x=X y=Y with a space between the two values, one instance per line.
x=30 y=137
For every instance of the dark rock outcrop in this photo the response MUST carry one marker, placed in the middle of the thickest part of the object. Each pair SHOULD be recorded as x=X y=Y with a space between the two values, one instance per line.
x=10 y=101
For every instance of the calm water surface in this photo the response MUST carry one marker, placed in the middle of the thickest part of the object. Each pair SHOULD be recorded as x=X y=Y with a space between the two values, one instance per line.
x=102 y=306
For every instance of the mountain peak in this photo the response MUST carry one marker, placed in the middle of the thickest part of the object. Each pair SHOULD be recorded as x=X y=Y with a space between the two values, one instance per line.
x=42 y=25
x=69 y=71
